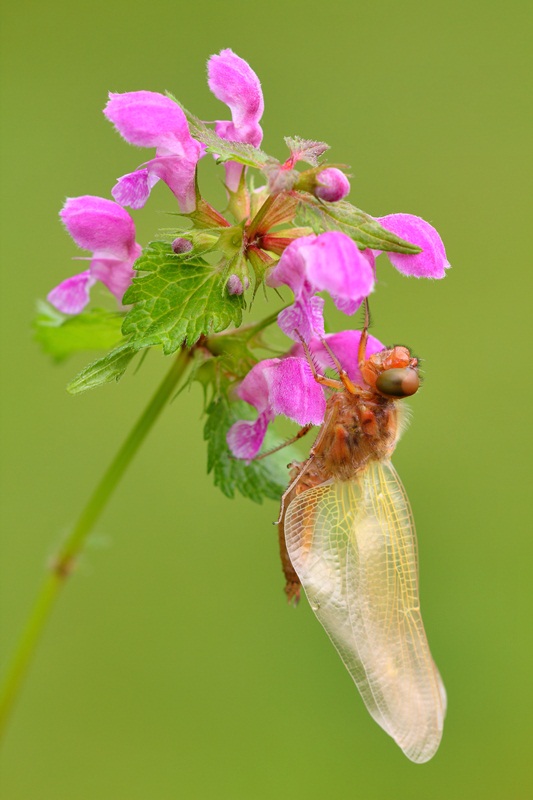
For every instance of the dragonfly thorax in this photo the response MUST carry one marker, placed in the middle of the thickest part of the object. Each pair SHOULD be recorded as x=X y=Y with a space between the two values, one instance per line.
x=357 y=429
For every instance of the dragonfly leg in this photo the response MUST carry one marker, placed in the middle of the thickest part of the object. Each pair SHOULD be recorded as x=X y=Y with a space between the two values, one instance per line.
x=292 y=581
x=298 y=435
x=343 y=375
x=321 y=379
x=293 y=483
x=361 y=353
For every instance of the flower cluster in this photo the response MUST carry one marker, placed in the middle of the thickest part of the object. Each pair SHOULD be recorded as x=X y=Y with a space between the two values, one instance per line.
x=269 y=241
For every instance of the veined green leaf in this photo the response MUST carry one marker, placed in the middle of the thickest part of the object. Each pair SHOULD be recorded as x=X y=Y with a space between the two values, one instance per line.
x=176 y=302
x=109 y=368
x=358 y=225
x=306 y=149
x=233 y=151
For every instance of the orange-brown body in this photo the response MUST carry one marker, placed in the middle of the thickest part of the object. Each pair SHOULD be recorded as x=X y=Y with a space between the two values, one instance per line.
x=360 y=425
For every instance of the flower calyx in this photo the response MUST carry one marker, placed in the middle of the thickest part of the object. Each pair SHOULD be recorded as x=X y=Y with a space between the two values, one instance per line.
x=328 y=183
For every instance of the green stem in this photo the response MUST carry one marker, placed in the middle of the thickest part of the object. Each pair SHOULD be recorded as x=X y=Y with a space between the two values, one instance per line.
x=220 y=343
x=65 y=560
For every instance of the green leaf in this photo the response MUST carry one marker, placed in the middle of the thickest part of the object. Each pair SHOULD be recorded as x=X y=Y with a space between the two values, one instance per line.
x=176 y=302
x=306 y=149
x=233 y=151
x=256 y=480
x=109 y=368
x=60 y=335
x=360 y=227
x=223 y=149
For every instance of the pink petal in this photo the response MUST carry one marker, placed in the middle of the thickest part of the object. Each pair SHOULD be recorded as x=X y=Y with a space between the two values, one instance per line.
x=329 y=262
x=305 y=317
x=332 y=186
x=245 y=438
x=254 y=388
x=335 y=264
x=347 y=305
x=99 y=225
x=134 y=189
x=116 y=275
x=291 y=269
x=432 y=262
x=276 y=386
x=233 y=82
x=233 y=174
x=249 y=134
x=72 y=295
x=294 y=392
x=148 y=119
x=178 y=173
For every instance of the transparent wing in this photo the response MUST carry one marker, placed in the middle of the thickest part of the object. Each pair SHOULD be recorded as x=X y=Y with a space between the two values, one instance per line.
x=353 y=546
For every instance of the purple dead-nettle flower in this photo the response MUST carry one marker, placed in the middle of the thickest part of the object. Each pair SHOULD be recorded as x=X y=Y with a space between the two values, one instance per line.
x=245 y=438
x=432 y=261
x=235 y=83
x=276 y=386
x=287 y=387
x=104 y=228
x=149 y=119
x=328 y=262
x=332 y=185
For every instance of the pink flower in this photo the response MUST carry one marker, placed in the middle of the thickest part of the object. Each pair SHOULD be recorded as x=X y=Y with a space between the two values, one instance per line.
x=332 y=185
x=245 y=438
x=235 y=83
x=275 y=386
x=287 y=387
x=432 y=261
x=328 y=262
x=104 y=228
x=149 y=119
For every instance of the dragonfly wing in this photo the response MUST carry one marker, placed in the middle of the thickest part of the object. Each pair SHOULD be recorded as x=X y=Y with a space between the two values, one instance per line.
x=353 y=546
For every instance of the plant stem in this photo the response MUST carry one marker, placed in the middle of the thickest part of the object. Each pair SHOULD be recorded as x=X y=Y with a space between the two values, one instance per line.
x=65 y=560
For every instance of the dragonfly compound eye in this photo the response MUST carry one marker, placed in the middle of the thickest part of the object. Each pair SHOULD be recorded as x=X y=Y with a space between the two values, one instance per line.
x=398 y=382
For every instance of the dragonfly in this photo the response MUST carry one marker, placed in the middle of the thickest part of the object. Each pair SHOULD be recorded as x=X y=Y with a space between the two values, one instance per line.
x=347 y=536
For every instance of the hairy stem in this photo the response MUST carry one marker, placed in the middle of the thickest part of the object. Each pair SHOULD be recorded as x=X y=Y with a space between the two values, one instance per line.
x=65 y=560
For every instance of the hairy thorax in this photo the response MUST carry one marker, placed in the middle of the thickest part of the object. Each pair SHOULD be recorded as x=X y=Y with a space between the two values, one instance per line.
x=357 y=429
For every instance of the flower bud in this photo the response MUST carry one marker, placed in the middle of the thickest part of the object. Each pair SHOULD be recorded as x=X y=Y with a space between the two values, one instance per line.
x=180 y=246
x=332 y=185
x=237 y=286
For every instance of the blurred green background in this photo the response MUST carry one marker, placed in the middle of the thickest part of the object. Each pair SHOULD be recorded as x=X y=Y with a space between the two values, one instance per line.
x=172 y=666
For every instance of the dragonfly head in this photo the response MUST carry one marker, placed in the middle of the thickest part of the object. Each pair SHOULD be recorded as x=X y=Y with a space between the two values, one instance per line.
x=393 y=373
